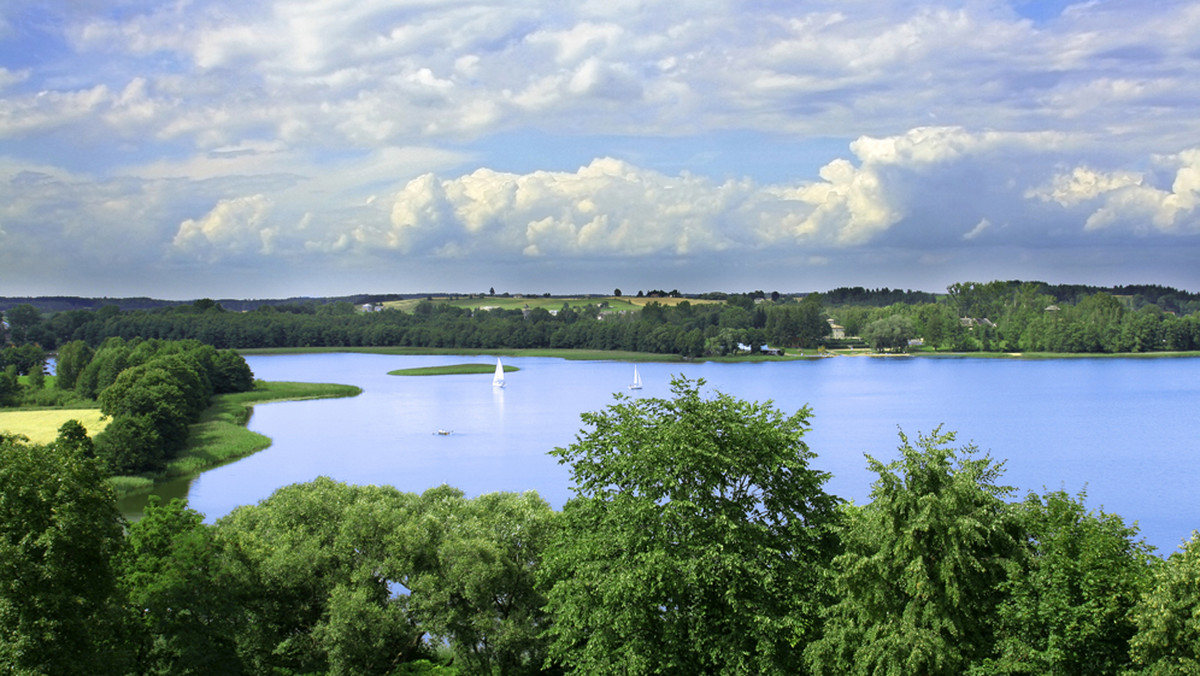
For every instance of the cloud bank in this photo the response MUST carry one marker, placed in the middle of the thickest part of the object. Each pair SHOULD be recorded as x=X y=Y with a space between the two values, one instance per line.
x=196 y=148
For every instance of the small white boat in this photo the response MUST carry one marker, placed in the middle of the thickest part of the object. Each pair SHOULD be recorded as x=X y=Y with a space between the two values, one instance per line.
x=444 y=433
x=498 y=379
x=637 y=380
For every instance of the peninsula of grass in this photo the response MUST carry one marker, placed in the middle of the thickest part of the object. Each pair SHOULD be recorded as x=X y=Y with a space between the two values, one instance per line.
x=450 y=370
x=221 y=436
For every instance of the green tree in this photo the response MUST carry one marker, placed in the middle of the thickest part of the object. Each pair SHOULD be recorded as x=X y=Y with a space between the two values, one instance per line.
x=59 y=532
x=103 y=368
x=813 y=326
x=473 y=579
x=73 y=436
x=37 y=378
x=783 y=326
x=26 y=358
x=889 y=334
x=231 y=373
x=1167 y=617
x=937 y=324
x=181 y=602
x=130 y=444
x=21 y=319
x=1067 y=610
x=694 y=541
x=916 y=583
x=10 y=387
x=318 y=562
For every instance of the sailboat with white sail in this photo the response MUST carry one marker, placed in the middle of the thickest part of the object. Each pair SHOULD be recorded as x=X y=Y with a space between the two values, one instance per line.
x=637 y=380
x=498 y=379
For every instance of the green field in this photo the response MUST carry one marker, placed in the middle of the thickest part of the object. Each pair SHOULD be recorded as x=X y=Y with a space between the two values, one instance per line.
x=451 y=369
x=517 y=303
x=40 y=426
x=548 y=303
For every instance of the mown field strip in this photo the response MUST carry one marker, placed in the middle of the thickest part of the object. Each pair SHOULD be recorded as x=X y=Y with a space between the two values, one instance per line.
x=41 y=426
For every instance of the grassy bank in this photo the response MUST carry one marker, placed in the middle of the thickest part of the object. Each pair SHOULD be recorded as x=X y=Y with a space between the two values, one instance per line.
x=221 y=435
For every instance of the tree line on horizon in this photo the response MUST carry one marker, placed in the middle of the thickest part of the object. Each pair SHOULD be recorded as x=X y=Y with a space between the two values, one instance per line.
x=994 y=316
x=699 y=539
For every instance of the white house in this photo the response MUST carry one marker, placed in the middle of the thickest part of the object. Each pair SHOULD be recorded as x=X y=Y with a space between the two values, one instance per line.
x=837 y=331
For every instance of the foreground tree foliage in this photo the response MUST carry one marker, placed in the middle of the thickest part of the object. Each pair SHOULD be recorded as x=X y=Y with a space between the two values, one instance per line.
x=916 y=584
x=1168 y=616
x=316 y=582
x=694 y=542
x=699 y=541
x=1066 y=610
x=182 y=601
x=473 y=585
x=59 y=533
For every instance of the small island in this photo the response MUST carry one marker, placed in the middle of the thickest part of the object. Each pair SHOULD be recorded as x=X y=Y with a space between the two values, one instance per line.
x=450 y=370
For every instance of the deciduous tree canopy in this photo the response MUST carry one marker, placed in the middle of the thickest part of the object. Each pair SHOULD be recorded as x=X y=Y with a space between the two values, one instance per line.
x=694 y=541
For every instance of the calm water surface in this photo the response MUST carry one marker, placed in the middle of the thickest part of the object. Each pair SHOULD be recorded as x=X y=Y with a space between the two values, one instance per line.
x=1124 y=429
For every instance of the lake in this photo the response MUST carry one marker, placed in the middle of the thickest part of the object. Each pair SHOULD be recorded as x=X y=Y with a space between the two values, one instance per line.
x=1124 y=429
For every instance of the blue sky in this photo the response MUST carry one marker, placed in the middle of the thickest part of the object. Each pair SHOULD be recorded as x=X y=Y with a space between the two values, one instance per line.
x=190 y=148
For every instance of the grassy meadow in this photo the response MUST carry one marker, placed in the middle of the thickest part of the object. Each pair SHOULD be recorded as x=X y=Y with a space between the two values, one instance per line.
x=41 y=425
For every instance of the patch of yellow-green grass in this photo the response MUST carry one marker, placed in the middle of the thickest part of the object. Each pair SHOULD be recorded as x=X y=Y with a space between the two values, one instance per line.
x=521 y=302
x=220 y=436
x=450 y=369
x=406 y=305
x=41 y=425
x=646 y=300
x=552 y=303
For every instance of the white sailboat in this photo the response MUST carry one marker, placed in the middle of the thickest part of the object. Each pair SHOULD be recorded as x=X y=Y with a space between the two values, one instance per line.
x=498 y=379
x=637 y=380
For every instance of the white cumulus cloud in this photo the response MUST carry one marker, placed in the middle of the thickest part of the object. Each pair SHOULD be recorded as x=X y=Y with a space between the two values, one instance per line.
x=1129 y=200
x=233 y=225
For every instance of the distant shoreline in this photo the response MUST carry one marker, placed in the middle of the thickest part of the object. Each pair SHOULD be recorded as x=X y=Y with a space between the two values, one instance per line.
x=790 y=355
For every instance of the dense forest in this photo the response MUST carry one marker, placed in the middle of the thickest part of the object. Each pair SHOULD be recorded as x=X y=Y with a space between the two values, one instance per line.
x=700 y=540
x=993 y=317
